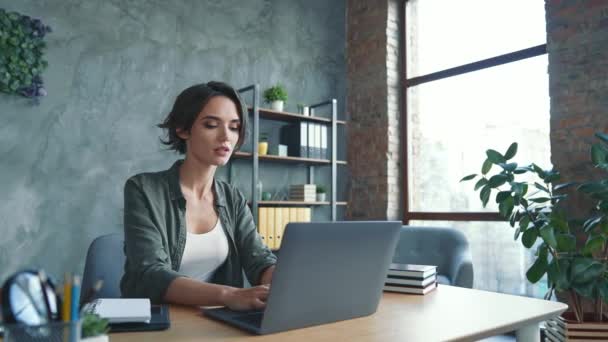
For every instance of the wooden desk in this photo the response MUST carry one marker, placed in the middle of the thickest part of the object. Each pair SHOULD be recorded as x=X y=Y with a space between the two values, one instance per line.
x=446 y=314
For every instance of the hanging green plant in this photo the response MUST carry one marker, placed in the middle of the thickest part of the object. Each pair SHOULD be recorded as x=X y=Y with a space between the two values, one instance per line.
x=22 y=55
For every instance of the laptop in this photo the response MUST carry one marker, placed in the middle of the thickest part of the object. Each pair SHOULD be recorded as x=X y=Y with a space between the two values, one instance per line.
x=326 y=272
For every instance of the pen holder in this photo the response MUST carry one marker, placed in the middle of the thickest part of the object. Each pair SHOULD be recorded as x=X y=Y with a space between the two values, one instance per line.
x=54 y=331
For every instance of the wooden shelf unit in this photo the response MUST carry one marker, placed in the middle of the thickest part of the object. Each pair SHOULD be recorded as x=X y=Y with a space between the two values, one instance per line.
x=292 y=117
x=259 y=113
x=270 y=157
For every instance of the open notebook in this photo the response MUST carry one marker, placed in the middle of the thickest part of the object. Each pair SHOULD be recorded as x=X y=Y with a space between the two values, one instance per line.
x=121 y=310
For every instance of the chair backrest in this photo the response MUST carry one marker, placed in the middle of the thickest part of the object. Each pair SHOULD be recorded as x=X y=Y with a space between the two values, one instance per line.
x=431 y=246
x=105 y=261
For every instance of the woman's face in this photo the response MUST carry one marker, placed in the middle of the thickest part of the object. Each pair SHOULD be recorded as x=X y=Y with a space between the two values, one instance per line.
x=214 y=133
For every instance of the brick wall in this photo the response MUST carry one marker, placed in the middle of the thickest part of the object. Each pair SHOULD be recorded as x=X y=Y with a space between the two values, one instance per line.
x=373 y=105
x=577 y=43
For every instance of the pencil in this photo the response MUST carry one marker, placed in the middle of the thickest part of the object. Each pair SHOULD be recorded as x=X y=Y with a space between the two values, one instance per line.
x=66 y=306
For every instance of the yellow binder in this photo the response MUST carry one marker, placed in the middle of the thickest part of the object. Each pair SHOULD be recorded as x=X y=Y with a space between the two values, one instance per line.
x=278 y=227
x=270 y=228
x=263 y=224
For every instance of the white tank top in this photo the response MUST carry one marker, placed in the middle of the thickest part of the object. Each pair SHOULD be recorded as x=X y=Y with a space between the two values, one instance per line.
x=204 y=253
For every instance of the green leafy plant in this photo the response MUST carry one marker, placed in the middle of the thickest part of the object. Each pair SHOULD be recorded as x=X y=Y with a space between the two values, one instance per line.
x=93 y=325
x=320 y=189
x=22 y=55
x=575 y=268
x=275 y=93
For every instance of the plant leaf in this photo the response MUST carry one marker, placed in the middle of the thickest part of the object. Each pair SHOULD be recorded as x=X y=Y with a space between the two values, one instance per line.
x=563 y=185
x=481 y=182
x=548 y=235
x=591 y=223
x=593 y=244
x=529 y=237
x=484 y=195
x=539 y=268
x=469 y=177
x=517 y=232
x=495 y=157
x=497 y=180
x=485 y=168
x=566 y=242
x=598 y=154
x=502 y=195
x=602 y=136
x=510 y=167
x=585 y=270
x=506 y=207
x=539 y=199
x=511 y=151
x=541 y=187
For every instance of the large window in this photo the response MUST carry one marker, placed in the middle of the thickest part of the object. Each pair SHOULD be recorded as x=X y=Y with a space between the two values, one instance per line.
x=476 y=78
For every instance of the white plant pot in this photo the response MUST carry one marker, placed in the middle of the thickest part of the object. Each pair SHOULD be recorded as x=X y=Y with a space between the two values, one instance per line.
x=99 y=338
x=277 y=105
x=320 y=197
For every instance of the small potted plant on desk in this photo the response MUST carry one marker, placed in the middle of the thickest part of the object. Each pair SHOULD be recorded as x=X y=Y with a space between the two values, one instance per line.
x=573 y=253
x=94 y=328
x=276 y=96
x=320 y=193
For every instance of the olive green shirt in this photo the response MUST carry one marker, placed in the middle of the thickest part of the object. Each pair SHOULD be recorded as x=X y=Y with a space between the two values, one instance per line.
x=155 y=235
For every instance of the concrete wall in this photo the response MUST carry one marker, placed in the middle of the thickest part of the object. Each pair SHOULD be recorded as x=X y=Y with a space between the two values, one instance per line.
x=115 y=68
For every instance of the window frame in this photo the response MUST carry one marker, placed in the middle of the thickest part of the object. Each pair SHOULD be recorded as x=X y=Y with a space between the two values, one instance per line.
x=510 y=57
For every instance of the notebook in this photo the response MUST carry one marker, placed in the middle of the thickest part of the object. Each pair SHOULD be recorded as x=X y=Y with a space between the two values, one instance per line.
x=121 y=310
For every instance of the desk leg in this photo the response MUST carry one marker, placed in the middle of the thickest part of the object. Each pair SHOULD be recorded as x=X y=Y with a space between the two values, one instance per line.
x=529 y=333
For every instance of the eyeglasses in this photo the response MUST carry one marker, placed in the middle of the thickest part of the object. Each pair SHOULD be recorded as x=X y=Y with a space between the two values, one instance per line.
x=29 y=297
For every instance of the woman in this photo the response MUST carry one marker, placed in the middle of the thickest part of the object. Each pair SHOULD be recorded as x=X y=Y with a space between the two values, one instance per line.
x=189 y=236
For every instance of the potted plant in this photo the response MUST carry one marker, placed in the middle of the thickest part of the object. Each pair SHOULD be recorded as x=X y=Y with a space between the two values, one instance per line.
x=263 y=144
x=320 y=193
x=276 y=96
x=94 y=328
x=573 y=253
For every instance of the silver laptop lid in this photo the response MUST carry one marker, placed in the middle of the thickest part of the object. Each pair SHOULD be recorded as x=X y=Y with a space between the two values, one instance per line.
x=329 y=271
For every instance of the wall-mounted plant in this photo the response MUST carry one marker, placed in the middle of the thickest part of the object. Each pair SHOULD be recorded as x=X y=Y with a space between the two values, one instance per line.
x=22 y=55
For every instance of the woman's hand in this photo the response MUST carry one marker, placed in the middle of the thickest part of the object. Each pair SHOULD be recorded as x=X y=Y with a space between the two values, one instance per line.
x=245 y=299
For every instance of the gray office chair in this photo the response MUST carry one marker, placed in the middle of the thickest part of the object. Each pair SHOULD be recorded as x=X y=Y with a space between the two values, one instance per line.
x=105 y=260
x=446 y=248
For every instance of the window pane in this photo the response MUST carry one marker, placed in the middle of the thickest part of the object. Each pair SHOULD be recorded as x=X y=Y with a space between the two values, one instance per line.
x=442 y=34
x=499 y=262
x=452 y=122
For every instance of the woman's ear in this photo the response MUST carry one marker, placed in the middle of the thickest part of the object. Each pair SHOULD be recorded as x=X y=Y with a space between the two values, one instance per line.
x=183 y=134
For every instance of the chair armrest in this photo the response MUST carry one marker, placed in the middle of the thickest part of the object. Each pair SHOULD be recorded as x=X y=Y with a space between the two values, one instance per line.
x=461 y=269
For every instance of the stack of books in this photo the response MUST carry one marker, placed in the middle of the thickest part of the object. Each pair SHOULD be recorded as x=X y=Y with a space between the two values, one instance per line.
x=408 y=278
x=303 y=192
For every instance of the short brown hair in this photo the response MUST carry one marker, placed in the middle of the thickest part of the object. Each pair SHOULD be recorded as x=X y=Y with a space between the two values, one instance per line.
x=189 y=104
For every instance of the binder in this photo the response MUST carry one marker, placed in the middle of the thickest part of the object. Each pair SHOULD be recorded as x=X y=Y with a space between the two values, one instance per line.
x=293 y=214
x=301 y=215
x=262 y=224
x=285 y=216
x=270 y=228
x=324 y=137
x=307 y=214
x=278 y=227
x=296 y=138
x=318 y=140
x=311 y=139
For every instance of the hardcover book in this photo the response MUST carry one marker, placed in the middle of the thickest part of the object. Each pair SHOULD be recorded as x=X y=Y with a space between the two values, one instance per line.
x=412 y=270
